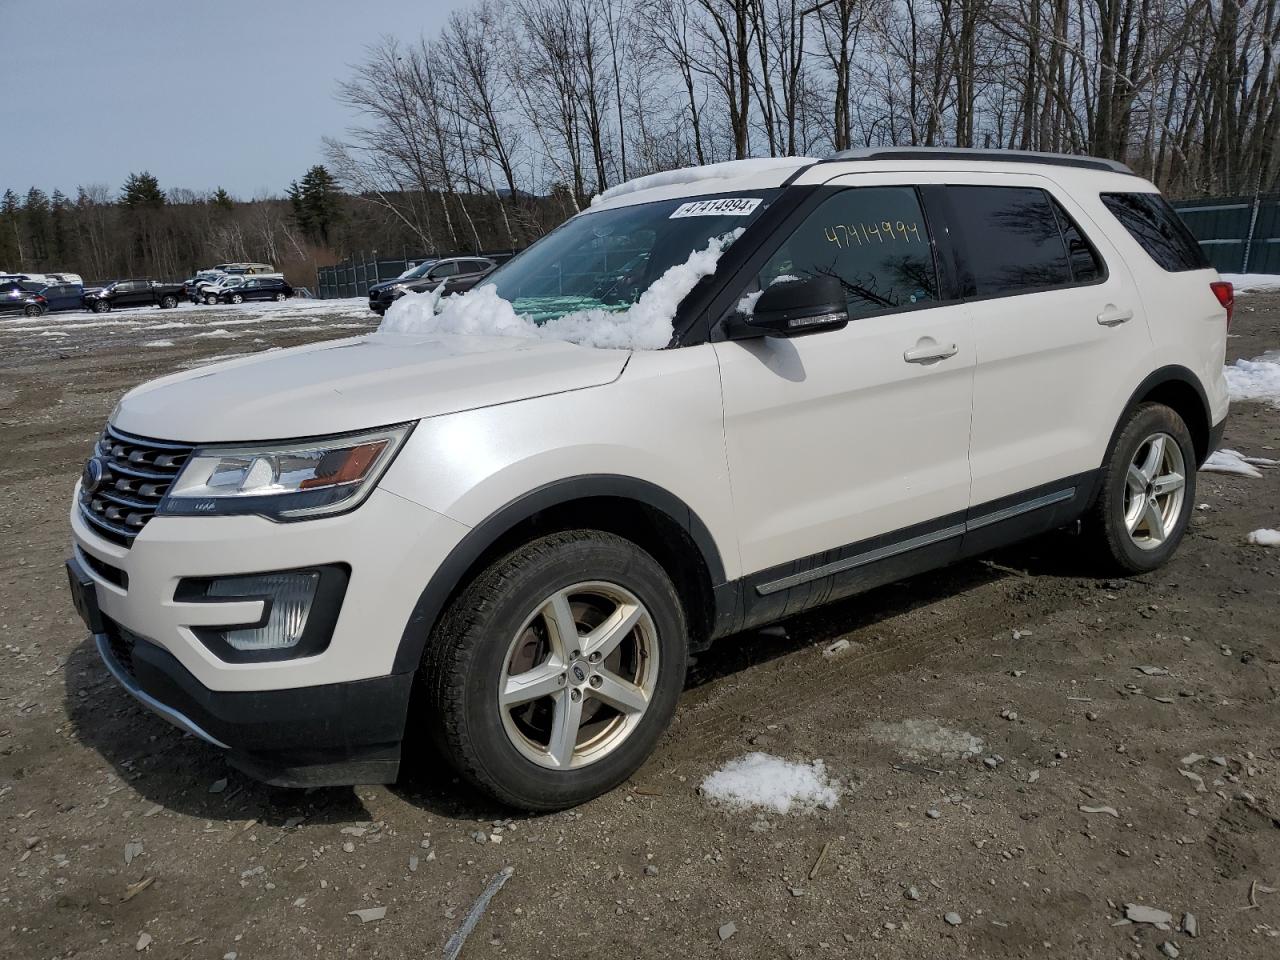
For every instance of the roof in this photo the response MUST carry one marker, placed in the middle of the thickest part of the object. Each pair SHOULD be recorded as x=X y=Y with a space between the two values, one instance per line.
x=729 y=170
x=982 y=156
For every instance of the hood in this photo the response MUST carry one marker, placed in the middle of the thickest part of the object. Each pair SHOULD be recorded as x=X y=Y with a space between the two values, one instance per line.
x=355 y=384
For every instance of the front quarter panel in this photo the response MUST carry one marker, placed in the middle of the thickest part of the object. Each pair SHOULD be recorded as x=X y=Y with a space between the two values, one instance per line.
x=660 y=422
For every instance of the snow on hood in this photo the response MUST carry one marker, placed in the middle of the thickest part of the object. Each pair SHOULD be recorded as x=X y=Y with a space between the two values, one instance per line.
x=646 y=325
x=711 y=171
x=338 y=386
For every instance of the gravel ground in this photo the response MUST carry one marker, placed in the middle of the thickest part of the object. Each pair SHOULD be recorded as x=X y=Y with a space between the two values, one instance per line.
x=122 y=836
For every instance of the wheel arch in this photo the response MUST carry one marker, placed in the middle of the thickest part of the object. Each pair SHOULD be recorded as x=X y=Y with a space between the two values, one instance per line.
x=652 y=517
x=1181 y=390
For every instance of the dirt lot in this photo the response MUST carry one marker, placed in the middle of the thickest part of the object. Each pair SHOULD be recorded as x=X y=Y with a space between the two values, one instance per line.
x=122 y=835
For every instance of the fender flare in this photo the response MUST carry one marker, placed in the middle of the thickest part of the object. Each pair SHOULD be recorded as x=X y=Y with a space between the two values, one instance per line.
x=1170 y=373
x=448 y=575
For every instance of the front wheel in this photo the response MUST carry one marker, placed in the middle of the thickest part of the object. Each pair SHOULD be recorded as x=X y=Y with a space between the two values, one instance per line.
x=168 y=302
x=1147 y=493
x=101 y=306
x=210 y=301
x=551 y=677
x=237 y=298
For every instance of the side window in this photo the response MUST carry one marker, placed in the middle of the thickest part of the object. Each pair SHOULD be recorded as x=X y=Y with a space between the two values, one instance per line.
x=1158 y=228
x=873 y=239
x=1012 y=240
x=444 y=270
x=1086 y=265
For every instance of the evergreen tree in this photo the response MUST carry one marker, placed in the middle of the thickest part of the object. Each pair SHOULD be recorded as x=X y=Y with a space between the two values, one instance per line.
x=142 y=191
x=316 y=203
x=36 y=225
x=60 y=229
x=11 y=253
x=222 y=201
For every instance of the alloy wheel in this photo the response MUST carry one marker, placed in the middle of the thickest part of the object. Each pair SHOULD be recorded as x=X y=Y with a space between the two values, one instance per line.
x=1155 y=487
x=579 y=675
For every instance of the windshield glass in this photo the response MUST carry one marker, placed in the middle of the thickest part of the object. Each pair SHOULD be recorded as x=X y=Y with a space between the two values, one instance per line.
x=419 y=271
x=606 y=260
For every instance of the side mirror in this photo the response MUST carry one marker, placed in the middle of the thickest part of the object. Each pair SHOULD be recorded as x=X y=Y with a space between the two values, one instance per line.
x=791 y=308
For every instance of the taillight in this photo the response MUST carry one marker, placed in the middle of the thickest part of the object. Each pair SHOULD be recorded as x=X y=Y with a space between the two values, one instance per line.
x=41 y=300
x=1226 y=295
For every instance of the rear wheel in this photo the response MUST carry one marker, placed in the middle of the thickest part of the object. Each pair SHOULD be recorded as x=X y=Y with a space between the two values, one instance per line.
x=554 y=673
x=33 y=310
x=281 y=297
x=1148 y=491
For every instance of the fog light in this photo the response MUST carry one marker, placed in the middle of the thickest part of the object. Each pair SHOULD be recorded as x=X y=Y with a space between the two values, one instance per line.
x=287 y=598
x=299 y=611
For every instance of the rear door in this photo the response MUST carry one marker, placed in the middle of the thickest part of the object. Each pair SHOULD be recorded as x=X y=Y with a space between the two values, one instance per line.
x=1059 y=329
x=851 y=446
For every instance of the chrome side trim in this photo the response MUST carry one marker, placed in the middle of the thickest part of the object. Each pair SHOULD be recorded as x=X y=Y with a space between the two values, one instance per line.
x=179 y=720
x=1008 y=513
x=861 y=559
x=915 y=543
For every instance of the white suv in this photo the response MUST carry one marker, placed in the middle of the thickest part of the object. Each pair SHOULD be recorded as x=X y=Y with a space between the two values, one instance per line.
x=890 y=360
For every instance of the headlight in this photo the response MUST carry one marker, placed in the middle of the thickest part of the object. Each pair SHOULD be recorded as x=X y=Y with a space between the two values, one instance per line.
x=288 y=481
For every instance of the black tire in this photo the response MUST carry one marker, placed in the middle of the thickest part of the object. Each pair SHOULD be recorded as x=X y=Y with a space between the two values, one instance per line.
x=1105 y=528
x=168 y=302
x=101 y=306
x=465 y=655
x=281 y=297
x=237 y=298
x=210 y=301
x=33 y=310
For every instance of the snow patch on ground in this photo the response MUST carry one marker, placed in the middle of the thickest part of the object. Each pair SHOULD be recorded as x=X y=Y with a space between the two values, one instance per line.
x=762 y=781
x=1232 y=461
x=1265 y=538
x=925 y=739
x=1252 y=282
x=1254 y=380
x=711 y=171
x=645 y=325
x=158 y=343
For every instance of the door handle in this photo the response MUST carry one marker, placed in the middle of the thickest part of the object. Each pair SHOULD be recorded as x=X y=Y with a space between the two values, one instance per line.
x=1112 y=316
x=930 y=352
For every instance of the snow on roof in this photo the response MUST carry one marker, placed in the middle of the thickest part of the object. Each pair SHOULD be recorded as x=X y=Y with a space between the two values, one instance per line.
x=712 y=171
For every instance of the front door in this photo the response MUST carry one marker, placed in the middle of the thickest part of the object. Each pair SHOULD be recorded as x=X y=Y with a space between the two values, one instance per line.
x=851 y=447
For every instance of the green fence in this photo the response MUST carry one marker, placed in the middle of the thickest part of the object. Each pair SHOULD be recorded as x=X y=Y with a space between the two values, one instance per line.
x=1238 y=234
x=354 y=276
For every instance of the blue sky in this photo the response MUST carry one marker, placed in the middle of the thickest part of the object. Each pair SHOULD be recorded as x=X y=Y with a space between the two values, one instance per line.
x=236 y=93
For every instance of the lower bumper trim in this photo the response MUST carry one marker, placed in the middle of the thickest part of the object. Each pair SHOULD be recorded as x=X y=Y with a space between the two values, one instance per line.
x=178 y=719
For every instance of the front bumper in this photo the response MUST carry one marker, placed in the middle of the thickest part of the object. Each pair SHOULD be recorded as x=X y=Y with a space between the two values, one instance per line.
x=330 y=735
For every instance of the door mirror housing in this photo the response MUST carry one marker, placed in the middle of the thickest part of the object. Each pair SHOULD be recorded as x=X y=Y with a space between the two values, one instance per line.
x=792 y=308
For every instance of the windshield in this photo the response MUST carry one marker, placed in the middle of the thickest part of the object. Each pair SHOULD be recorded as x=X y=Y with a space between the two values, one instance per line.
x=420 y=270
x=605 y=260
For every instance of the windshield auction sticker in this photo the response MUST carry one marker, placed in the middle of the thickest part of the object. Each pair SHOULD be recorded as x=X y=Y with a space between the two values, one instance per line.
x=720 y=207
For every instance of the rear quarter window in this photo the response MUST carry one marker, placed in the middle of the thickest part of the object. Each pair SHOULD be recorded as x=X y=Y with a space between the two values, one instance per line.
x=1158 y=229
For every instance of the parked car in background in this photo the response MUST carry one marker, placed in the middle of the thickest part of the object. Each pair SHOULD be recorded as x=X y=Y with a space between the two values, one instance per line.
x=191 y=287
x=133 y=293
x=256 y=288
x=458 y=274
x=17 y=299
x=209 y=291
x=250 y=269
x=63 y=296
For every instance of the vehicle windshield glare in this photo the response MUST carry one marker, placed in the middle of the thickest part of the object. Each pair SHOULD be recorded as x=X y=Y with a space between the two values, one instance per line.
x=607 y=259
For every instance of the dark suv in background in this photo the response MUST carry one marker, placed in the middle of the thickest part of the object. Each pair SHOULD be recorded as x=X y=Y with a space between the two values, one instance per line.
x=257 y=288
x=458 y=274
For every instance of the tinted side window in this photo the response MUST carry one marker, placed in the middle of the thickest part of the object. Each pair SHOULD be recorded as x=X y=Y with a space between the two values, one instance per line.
x=873 y=239
x=1012 y=240
x=1158 y=228
x=444 y=270
x=1086 y=265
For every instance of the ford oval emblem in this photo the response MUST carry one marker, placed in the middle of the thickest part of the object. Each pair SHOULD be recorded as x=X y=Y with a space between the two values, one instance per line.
x=92 y=476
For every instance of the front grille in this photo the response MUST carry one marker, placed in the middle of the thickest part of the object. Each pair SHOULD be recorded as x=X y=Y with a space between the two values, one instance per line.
x=137 y=472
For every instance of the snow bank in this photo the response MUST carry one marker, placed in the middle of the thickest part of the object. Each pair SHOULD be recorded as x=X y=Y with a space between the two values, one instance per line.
x=645 y=325
x=711 y=171
x=1265 y=538
x=759 y=780
x=1252 y=282
x=1254 y=380
x=1231 y=461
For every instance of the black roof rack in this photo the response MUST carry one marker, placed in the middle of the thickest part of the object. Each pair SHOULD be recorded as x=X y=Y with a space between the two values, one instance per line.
x=970 y=153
